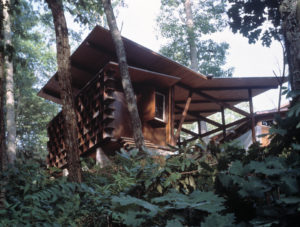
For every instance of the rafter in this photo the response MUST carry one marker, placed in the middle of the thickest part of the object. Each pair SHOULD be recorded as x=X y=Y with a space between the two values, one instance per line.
x=183 y=116
x=217 y=129
x=198 y=116
x=210 y=101
x=237 y=88
x=208 y=97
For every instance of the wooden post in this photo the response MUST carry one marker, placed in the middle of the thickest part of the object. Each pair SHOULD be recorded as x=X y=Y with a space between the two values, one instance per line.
x=252 y=116
x=172 y=115
x=223 y=122
x=184 y=113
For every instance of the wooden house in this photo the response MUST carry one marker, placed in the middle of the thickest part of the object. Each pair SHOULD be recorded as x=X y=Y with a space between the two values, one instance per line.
x=168 y=95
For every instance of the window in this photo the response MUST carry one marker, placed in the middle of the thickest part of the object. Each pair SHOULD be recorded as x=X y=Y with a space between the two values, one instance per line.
x=159 y=106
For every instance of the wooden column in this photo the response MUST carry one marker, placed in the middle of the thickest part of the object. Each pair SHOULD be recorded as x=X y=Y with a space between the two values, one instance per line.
x=183 y=116
x=223 y=122
x=172 y=115
x=252 y=116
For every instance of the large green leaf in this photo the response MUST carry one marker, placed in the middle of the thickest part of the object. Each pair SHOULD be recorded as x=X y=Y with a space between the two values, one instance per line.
x=135 y=203
x=217 y=220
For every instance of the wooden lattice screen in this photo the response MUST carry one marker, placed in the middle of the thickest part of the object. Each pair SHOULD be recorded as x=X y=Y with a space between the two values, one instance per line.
x=95 y=115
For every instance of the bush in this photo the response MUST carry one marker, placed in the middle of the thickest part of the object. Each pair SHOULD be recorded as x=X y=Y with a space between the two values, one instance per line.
x=207 y=185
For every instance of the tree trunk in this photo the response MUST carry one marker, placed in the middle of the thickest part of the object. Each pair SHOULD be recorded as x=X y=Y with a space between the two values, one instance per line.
x=126 y=82
x=290 y=14
x=192 y=44
x=191 y=35
x=3 y=157
x=2 y=129
x=66 y=94
x=9 y=89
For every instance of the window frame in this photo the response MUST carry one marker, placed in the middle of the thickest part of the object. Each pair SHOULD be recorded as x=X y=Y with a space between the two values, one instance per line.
x=164 y=106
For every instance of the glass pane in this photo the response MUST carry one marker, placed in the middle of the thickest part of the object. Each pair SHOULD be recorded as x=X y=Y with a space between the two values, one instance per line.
x=159 y=106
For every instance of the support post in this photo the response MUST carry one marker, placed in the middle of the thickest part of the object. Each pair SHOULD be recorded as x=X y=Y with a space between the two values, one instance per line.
x=172 y=115
x=183 y=116
x=223 y=122
x=252 y=115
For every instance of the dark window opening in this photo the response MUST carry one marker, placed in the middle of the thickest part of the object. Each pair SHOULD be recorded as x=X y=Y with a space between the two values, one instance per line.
x=159 y=106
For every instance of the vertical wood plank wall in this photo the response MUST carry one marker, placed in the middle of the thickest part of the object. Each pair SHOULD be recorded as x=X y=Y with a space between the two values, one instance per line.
x=103 y=117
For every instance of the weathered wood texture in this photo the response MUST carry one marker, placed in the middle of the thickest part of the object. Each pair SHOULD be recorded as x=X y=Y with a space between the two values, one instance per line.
x=92 y=123
x=103 y=119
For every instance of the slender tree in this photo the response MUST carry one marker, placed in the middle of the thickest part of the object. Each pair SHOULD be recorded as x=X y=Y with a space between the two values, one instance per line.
x=189 y=21
x=66 y=94
x=2 y=78
x=126 y=82
x=9 y=89
x=185 y=23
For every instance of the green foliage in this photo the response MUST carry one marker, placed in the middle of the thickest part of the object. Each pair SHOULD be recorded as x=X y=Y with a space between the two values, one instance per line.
x=208 y=18
x=250 y=19
x=33 y=61
x=207 y=185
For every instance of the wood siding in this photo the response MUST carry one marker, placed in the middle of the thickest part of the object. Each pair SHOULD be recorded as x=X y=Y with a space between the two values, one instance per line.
x=103 y=118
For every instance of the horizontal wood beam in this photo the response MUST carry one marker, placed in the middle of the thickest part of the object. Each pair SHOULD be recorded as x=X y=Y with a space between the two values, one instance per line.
x=210 y=101
x=198 y=116
x=189 y=132
x=202 y=111
x=237 y=88
x=208 y=97
x=217 y=129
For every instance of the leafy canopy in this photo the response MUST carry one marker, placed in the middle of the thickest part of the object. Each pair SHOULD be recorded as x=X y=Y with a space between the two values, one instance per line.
x=208 y=17
x=256 y=19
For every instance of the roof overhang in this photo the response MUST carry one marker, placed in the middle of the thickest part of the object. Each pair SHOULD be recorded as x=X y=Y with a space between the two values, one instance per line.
x=97 y=51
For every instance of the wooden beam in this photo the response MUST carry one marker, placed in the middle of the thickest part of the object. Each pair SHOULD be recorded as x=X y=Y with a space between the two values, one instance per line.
x=236 y=122
x=189 y=132
x=198 y=116
x=202 y=111
x=218 y=129
x=208 y=97
x=223 y=122
x=237 y=88
x=183 y=116
x=209 y=101
x=252 y=116
x=173 y=142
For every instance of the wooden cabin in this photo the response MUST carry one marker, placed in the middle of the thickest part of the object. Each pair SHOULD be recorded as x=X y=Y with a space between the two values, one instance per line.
x=168 y=95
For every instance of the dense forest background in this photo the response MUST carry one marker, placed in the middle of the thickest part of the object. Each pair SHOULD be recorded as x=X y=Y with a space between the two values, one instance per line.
x=203 y=184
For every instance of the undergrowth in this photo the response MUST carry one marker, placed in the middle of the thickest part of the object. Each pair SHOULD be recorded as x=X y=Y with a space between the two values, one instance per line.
x=200 y=185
